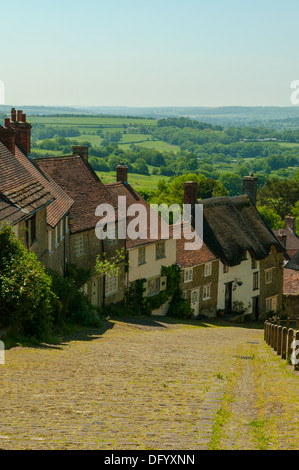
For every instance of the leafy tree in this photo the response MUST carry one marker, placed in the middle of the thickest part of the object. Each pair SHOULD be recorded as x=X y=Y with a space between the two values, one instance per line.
x=232 y=182
x=271 y=217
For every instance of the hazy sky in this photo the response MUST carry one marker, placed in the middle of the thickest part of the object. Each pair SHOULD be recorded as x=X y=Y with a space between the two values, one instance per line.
x=149 y=52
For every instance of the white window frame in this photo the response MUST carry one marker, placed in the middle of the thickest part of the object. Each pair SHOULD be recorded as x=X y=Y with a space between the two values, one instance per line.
x=67 y=229
x=79 y=245
x=225 y=269
x=56 y=236
x=156 y=281
x=61 y=230
x=50 y=241
x=188 y=275
x=208 y=269
x=268 y=275
x=111 y=231
x=206 y=292
x=141 y=259
x=111 y=284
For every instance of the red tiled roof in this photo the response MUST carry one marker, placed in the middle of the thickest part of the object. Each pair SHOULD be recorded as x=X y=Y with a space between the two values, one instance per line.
x=18 y=186
x=81 y=183
x=132 y=197
x=290 y=282
x=187 y=258
x=62 y=202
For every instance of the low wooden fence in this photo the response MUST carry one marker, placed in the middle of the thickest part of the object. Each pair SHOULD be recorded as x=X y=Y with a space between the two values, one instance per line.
x=283 y=337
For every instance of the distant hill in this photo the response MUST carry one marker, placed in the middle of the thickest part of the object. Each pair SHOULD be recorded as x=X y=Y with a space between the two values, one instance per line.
x=271 y=116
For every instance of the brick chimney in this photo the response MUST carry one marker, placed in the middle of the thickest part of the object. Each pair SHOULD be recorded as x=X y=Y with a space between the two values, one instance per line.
x=13 y=114
x=121 y=173
x=190 y=192
x=250 y=186
x=7 y=136
x=22 y=130
x=290 y=223
x=82 y=151
x=282 y=237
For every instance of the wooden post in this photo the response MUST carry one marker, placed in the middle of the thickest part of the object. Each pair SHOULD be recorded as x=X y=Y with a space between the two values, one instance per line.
x=288 y=323
x=279 y=338
x=271 y=334
x=275 y=337
x=284 y=343
x=290 y=339
x=297 y=323
x=278 y=321
x=265 y=330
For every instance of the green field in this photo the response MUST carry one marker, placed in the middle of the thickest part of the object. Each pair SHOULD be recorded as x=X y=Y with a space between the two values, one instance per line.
x=88 y=125
x=138 y=181
x=91 y=121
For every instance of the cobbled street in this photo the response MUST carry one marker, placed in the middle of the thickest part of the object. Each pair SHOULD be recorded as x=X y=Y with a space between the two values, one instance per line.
x=150 y=384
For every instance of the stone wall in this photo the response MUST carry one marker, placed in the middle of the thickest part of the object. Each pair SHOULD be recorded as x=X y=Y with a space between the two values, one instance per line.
x=206 y=307
x=275 y=287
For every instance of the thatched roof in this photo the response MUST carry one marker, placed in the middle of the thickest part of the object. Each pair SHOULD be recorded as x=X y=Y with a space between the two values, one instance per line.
x=232 y=226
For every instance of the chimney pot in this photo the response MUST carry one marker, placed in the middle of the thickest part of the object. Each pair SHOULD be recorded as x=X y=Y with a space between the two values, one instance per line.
x=23 y=119
x=7 y=122
x=290 y=223
x=190 y=192
x=20 y=115
x=13 y=114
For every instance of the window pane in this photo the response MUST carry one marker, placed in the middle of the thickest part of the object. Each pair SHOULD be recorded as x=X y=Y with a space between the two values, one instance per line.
x=111 y=283
x=160 y=250
x=141 y=255
x=153 y=286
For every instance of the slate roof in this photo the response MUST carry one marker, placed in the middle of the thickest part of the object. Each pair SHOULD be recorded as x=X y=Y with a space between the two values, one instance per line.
x=293 y=263
x=78 y=180
x=62 y=203
x=232 y=226
x=9 y=212
x=132 y=197
x=18 y=188
x=291 y=243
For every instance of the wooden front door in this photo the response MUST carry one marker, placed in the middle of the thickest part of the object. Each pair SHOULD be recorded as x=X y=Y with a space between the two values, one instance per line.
x=255 y=307
x=228 y=296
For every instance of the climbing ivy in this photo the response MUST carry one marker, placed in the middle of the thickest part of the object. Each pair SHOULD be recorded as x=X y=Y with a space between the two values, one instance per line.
x=146 y=305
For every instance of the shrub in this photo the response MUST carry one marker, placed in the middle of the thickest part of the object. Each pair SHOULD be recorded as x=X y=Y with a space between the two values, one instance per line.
x=25 y=289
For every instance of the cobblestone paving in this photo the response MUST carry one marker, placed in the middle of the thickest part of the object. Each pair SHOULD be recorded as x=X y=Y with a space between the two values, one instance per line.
x=150 y=385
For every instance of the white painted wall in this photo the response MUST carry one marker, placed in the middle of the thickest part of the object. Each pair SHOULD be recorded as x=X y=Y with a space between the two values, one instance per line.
x=244 y=293
x=152 y=267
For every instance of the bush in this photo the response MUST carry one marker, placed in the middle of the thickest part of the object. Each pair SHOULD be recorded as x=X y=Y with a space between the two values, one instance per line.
x=75 y=306
x=25 y=289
